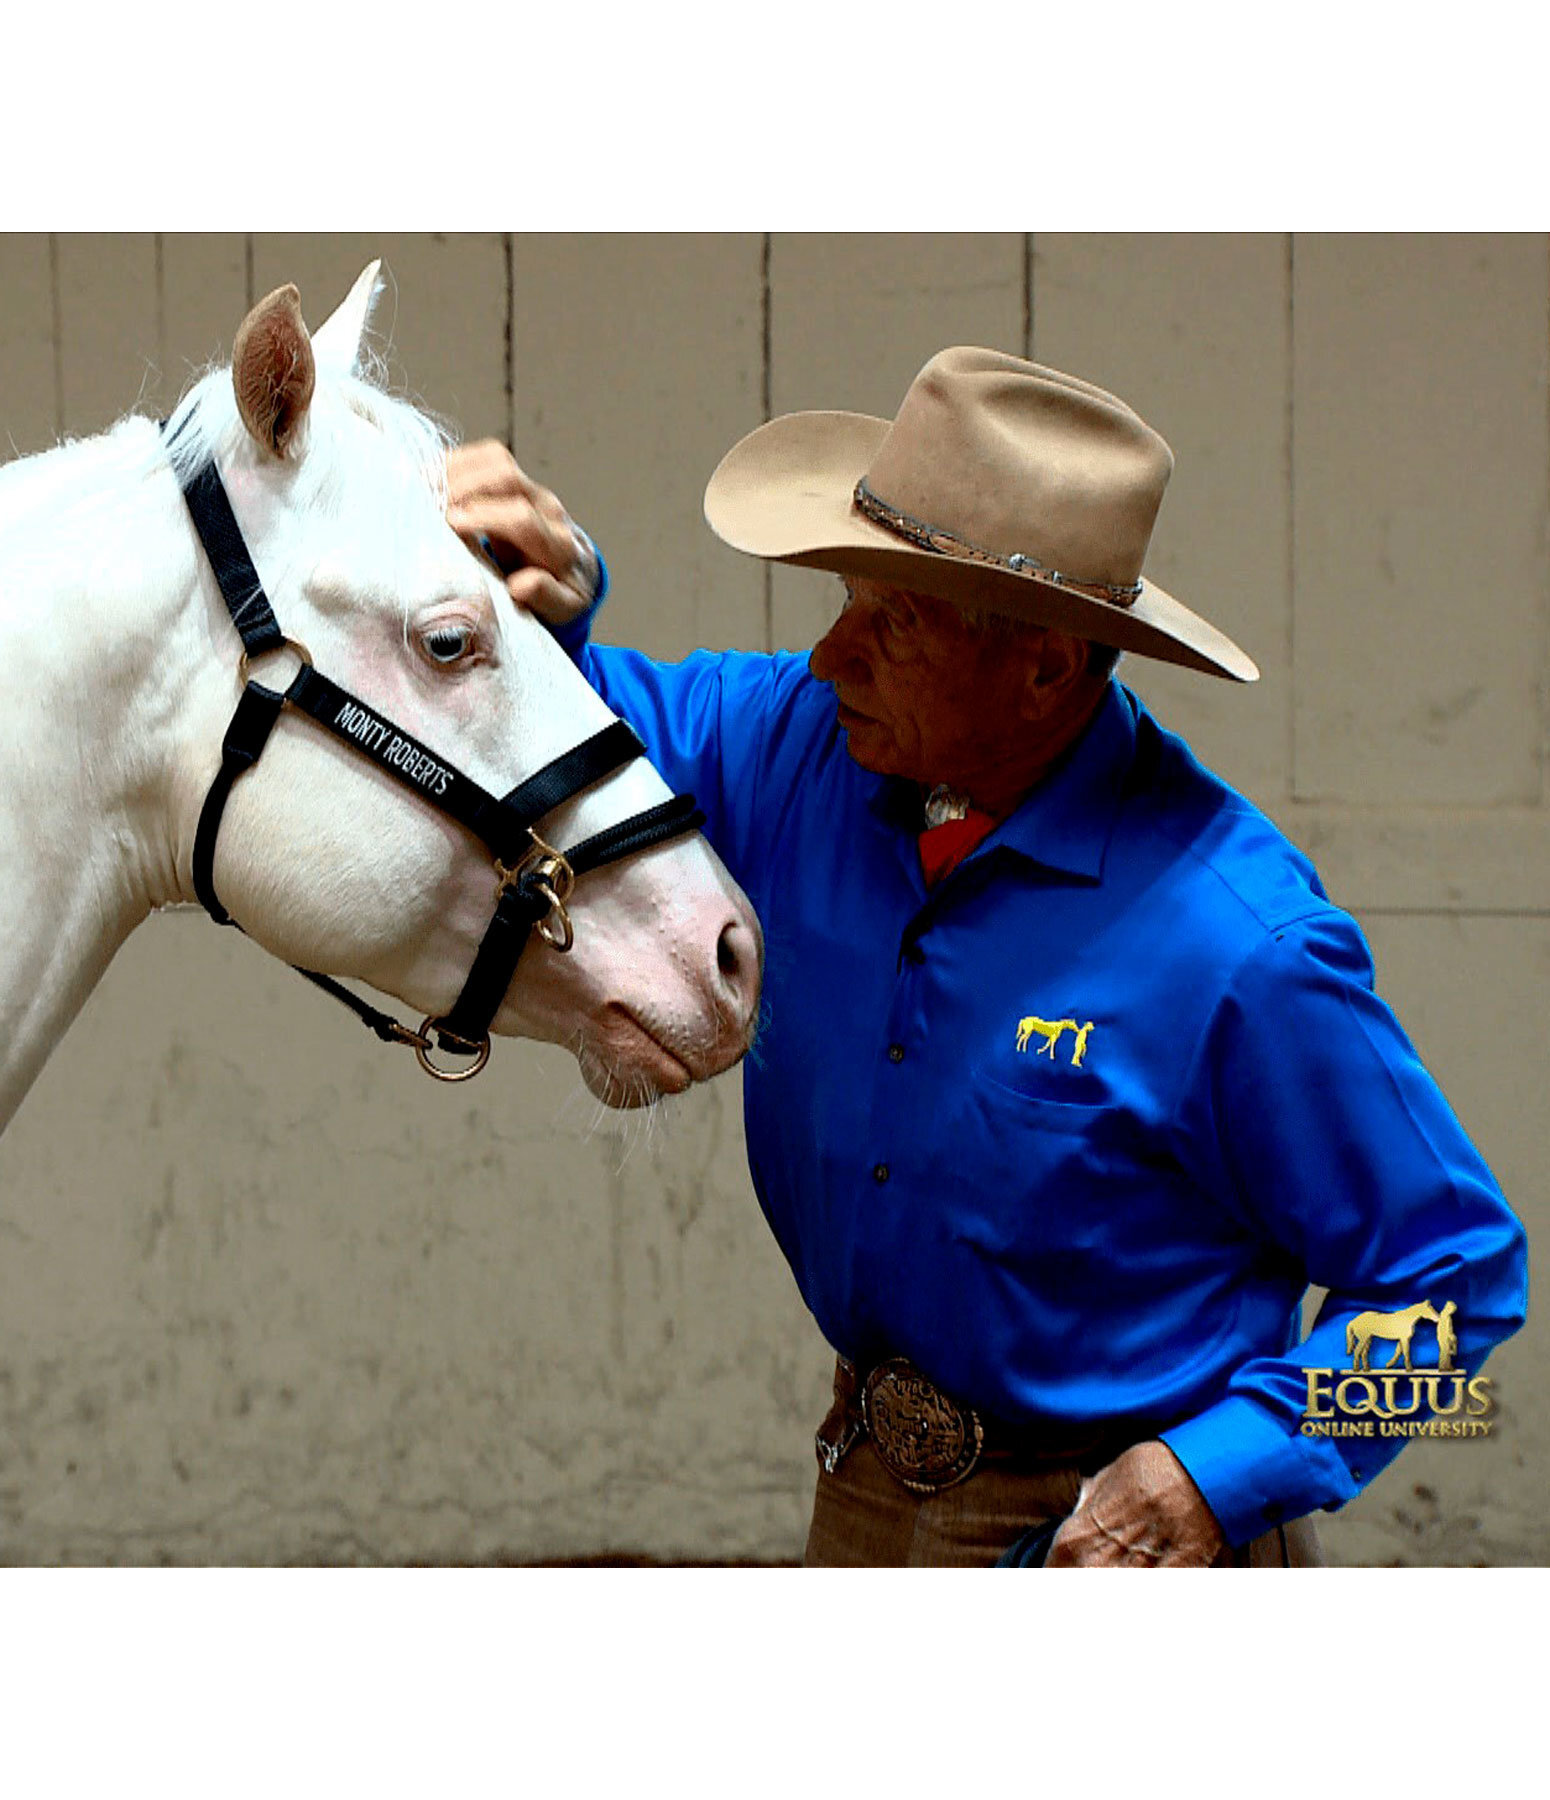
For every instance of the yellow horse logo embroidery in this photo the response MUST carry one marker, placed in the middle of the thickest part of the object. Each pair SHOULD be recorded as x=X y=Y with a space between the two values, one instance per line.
x=1052 y=1031
x=1399 y=1328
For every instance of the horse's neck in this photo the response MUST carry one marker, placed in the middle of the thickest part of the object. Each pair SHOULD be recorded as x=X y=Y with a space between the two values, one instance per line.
x=99 y=637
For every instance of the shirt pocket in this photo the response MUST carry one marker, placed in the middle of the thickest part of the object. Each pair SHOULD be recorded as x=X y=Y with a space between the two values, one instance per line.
x=1019 y=1109
x=1030 y=1174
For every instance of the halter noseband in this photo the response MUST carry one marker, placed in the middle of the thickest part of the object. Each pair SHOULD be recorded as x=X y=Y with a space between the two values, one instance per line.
x=533 y=880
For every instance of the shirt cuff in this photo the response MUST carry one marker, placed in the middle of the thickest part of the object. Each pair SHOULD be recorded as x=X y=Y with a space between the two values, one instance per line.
x=600 y=590
x=1254 y=1472
x=572 y=636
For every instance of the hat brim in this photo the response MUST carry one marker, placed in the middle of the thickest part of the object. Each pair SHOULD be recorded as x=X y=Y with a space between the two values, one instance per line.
x=784 y=493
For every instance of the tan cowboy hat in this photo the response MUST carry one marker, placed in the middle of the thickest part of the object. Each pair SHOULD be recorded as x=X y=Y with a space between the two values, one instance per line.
x=1000 y=485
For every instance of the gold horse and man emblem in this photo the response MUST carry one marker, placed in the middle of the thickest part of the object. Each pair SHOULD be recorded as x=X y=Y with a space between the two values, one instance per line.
x=1052 y=1031
x=1399 y=1328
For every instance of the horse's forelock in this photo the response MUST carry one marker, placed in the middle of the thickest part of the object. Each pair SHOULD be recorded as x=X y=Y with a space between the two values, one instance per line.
x=206 y=426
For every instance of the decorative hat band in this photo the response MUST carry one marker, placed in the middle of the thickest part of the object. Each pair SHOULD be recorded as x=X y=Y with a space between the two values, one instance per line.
x=948 y=543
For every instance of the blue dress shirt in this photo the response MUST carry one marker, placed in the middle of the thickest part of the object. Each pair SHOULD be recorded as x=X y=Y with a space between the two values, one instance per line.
x=1075 y=1129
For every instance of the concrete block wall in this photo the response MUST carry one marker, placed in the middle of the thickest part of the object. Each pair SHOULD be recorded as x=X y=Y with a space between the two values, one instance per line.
x=266 y=1296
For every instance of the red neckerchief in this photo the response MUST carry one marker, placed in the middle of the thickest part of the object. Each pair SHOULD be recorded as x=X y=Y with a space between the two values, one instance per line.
x=943 y=847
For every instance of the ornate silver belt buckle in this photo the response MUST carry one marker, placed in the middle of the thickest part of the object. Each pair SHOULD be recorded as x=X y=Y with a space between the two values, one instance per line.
x=926 y=1440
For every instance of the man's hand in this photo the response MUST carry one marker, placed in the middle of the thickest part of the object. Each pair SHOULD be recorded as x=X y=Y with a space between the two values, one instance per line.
x=554 y=570
x=1142 y=1511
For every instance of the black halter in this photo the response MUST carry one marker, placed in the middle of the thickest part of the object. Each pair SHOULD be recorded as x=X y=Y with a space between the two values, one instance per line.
x=533 y=880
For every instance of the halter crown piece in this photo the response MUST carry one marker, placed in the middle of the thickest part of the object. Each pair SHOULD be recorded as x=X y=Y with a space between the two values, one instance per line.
x=533 y=880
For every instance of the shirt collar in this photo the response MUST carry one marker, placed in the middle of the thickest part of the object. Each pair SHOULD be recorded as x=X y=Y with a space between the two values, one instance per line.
x=1068 y=819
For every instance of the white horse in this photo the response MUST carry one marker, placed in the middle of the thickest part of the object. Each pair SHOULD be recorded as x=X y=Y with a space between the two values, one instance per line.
x=118 y=666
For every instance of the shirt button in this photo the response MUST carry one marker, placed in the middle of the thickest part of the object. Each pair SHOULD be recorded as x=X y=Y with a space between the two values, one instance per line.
x=896 y=1053
x=880 y=1173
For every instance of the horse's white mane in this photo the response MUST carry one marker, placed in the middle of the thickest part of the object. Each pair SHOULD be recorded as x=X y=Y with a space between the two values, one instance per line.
x=206 y=425
x=43 y=491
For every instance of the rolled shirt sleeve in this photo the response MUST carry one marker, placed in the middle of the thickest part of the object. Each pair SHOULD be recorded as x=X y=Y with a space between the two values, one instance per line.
x=1310 y=1116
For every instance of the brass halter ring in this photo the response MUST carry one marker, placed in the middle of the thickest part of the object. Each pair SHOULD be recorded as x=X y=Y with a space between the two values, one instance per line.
x=289 y=643
x=422 y=1049
x=561 y=936
x=554 y=879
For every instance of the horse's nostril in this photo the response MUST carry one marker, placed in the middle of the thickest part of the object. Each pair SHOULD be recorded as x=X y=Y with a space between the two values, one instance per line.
x=737 y=960
x=726 y=953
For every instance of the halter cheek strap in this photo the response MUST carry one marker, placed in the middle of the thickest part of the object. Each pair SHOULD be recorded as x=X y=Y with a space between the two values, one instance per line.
x=533 y=880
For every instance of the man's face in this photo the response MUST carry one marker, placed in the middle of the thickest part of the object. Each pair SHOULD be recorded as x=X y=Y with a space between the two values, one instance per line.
x=922 y=691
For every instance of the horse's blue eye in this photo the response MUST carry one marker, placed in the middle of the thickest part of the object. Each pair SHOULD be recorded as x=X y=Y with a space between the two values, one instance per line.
x=448 y=643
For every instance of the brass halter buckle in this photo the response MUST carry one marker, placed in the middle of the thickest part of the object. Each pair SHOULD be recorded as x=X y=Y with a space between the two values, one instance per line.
x=554 y=880
x=544 y=868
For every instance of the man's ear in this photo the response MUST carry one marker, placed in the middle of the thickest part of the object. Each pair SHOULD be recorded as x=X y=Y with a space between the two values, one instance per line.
x=1056 y=664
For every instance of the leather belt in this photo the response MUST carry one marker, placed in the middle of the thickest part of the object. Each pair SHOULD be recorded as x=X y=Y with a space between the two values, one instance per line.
x=929 y=1441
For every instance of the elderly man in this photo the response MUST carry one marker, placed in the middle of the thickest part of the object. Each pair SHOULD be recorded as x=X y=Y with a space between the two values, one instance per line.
x=1073 y=1077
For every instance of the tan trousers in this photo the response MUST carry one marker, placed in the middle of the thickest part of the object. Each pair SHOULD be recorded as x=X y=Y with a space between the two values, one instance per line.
x=864 y=1518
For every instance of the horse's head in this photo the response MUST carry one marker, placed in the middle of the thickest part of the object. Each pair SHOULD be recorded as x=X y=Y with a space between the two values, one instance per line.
x=339 y=491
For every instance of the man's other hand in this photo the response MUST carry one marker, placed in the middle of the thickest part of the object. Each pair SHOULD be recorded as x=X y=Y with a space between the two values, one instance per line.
x=551 y=568
x=1142 y=1511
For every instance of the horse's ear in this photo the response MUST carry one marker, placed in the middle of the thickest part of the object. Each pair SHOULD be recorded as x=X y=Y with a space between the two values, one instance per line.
x=272 y=369
x=340 y=338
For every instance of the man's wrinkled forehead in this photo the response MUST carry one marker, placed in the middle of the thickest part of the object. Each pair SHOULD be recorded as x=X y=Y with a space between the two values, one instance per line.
x=943 y=618
x=901 y=600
